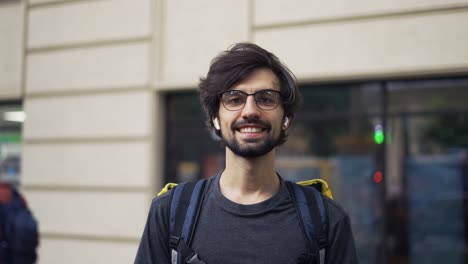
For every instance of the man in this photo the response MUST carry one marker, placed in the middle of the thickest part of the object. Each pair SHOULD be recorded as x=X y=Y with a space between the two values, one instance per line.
x=248 y=214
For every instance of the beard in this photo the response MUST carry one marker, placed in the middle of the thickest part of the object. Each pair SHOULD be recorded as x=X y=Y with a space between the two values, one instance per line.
x=246 y=151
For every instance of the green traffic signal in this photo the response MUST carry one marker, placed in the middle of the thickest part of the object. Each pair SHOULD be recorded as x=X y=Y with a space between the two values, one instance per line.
x=379 y=137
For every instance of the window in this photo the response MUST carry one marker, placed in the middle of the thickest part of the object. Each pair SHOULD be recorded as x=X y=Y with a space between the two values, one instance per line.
x=11 y=118
x=191 y=153
x=394 y=152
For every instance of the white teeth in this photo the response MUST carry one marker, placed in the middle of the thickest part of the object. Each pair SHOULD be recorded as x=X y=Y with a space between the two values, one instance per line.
x=250 y=130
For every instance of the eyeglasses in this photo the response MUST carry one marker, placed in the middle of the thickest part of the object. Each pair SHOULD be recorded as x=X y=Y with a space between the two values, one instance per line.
x=234 y=100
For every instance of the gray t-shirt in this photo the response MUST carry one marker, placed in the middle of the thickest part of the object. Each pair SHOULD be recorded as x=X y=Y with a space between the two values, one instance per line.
x=267 y=232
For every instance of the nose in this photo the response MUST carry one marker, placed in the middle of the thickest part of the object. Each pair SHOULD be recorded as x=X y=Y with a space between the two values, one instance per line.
x=250 y=110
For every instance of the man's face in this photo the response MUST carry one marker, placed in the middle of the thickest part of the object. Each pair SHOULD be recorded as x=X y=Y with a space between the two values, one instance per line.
x=251 y=131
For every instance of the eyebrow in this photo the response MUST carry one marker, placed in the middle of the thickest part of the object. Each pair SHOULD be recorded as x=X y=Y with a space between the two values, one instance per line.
x=264 y=89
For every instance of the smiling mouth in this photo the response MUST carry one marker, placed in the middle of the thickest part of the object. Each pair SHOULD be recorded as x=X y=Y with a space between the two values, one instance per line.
x=252 y=127
x=250 y=130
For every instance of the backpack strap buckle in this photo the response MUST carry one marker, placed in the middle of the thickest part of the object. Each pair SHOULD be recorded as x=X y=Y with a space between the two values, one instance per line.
x=194 y=259
x=179 y=246
x=174 y=241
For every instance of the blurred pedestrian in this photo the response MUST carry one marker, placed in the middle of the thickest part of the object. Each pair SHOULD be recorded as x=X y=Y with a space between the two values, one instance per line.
x=19 y=236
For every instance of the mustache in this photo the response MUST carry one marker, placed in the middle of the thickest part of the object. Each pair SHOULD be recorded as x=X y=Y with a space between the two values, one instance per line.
x=243 y=122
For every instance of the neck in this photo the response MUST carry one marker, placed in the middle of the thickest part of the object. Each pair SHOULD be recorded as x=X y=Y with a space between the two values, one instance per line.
x=249 y=180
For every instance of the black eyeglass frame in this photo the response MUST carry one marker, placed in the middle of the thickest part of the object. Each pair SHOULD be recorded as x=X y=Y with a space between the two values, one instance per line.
x=246 y=95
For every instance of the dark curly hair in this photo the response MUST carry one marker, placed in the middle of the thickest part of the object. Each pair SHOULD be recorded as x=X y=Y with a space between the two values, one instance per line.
x=233 y=66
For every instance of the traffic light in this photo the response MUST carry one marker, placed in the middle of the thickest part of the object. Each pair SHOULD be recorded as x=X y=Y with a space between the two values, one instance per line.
x=378 y=177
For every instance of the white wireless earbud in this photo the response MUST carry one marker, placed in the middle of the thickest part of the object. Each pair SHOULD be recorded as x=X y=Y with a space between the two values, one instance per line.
x=286 y=122
x=216 y=124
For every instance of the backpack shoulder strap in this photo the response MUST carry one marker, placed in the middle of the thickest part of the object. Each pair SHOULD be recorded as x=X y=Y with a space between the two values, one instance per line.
x=185 y=208
x=311 y=209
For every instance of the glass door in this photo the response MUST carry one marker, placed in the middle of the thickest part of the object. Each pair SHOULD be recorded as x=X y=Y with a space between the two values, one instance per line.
x=428 y=122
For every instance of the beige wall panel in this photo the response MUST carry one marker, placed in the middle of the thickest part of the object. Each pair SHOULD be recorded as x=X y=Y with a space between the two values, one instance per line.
x=87 y=164
x=46 y=1
x=124 y=114
x=386 y=46
x=88 y=21
x=192 y=39
x=90 y=68
x=11 y=48
x=53 y=251
x=90 y=213
x=284 y=11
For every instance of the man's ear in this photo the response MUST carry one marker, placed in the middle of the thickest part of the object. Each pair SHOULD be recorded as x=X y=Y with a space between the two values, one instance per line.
x=216 y=123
